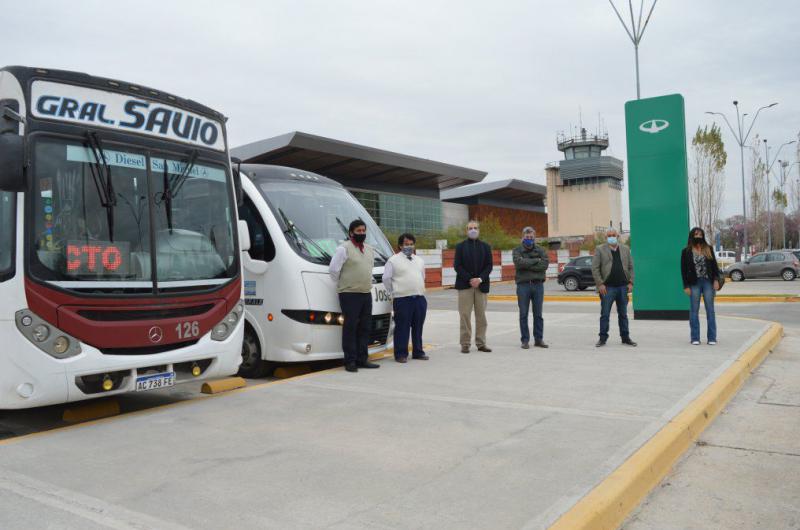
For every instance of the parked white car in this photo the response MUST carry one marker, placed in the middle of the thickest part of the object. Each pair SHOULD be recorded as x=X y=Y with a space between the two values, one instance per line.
x=726 y=258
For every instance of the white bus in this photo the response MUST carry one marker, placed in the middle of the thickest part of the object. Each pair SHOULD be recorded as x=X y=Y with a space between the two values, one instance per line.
x=119 y=245
x=296 y=220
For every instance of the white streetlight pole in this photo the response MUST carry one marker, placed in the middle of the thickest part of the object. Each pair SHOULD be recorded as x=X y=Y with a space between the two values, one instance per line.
x=741 y=139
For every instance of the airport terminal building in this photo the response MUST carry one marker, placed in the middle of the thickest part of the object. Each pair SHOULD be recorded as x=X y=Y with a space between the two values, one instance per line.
x=403 y=192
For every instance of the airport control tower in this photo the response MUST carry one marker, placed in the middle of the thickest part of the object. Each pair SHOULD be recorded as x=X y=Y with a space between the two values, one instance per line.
x=584 y=191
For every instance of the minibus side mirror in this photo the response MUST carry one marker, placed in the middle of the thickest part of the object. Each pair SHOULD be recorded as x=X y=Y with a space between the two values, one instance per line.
x=244 y=236
x=12 y=147
x=237 y=181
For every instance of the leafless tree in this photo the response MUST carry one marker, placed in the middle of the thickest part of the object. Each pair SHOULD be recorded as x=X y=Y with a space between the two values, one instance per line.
x=758 y=194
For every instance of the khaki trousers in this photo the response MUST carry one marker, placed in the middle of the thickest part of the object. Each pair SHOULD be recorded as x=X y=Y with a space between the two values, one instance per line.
x=467 y=299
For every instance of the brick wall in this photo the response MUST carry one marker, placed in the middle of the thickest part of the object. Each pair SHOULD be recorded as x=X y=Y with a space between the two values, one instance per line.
x=511 y=220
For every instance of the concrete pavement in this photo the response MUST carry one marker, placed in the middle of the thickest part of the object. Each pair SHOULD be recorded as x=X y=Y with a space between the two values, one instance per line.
x=744 y=471
x=508 y=439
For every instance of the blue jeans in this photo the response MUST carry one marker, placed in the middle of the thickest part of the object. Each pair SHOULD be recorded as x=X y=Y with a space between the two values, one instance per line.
x=620 y=296
x=704 y=287
x=409 y=315
x=530 y=293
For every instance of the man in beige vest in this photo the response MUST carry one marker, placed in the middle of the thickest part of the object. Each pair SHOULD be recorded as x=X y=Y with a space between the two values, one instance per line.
x=404 y=278
x=351 y=269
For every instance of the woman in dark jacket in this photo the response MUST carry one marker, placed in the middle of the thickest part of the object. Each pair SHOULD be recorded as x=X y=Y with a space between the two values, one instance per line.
x=701 y=277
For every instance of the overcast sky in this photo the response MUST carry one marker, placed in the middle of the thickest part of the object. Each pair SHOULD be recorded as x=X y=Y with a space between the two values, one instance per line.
x=486 y=85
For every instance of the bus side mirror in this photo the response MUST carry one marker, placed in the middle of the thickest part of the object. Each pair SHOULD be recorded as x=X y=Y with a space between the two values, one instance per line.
x=237 y=181
x=12 y=149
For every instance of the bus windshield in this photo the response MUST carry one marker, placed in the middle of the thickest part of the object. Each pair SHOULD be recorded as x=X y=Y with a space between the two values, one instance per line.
x=7 y=215
x=100 y=222
x=320 y=215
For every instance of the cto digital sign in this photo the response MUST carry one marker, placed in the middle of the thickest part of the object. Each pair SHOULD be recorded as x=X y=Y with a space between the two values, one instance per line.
x=98 y=258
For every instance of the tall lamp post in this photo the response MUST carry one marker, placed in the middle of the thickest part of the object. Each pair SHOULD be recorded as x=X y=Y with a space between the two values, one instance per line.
x=769 y=198
x=741 y=139
x=636 y=32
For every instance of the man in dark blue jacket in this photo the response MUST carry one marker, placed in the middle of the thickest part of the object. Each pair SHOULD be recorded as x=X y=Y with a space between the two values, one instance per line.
x=473 y=265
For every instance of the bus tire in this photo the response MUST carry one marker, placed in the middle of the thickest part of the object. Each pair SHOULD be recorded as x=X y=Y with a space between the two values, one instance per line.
x=253 y=366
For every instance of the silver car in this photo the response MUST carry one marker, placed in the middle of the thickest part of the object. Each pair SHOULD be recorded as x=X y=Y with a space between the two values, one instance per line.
x=776 y=264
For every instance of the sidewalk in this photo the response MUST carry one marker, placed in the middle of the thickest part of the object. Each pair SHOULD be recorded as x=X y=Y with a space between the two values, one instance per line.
x=509 y=439
x=744 y=472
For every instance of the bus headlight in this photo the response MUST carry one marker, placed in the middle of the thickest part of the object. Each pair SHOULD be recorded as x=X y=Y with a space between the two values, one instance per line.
x=61 y=345
x=40 y=333
x=223 y=330
x=45 y=336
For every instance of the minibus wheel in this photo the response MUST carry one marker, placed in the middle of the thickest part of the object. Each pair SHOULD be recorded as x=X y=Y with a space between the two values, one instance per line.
x=253 y=366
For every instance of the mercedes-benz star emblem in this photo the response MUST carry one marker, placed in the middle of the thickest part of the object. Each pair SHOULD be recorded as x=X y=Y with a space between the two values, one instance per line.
x=653 y=126
x=155 y=334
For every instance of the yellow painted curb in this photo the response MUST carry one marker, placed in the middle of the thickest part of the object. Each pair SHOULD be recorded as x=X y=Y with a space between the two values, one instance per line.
x=222 y=385
x=92 y=410
x=610 y=502
x=742 y=299
x=291 y=370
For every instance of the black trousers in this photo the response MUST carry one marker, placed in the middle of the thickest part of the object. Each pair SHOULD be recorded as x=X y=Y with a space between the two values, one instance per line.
x=357 y=311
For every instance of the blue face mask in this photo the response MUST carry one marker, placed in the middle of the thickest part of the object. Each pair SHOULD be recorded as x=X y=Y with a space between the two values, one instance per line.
x=408 y=251
x=527 y=242
x=612 y=240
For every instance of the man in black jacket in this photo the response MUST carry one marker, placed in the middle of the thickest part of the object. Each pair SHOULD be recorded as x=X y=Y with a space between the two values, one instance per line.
x=473 y=264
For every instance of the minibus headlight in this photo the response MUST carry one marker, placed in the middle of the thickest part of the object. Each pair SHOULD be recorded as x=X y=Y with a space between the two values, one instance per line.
x=323 y=318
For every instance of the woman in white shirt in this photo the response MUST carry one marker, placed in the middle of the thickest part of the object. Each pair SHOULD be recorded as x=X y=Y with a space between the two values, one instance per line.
x=404 y=279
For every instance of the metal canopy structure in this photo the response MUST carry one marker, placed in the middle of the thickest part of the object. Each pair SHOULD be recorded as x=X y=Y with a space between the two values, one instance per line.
x=356 y=165
x=522 y=193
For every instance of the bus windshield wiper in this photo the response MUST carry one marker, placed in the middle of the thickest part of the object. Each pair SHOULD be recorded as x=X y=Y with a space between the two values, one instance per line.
x=173 y=185
x=297 y=234
x=101 y=174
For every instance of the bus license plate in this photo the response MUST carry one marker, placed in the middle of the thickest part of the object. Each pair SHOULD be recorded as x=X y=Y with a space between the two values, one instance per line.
x=155 y=381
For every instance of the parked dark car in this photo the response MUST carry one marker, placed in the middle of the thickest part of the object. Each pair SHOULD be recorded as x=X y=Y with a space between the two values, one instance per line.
x=577 y=274
x=776 y=264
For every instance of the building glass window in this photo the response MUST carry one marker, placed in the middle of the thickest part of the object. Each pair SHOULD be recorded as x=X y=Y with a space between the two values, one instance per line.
x=396 y=213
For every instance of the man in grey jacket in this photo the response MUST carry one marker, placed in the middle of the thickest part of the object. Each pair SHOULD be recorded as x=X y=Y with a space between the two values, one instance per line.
x=612 y=269
x=530 y=262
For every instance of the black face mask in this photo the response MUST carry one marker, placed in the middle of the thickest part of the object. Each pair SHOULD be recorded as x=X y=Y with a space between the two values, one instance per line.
x=698 y=240
x=359 y=238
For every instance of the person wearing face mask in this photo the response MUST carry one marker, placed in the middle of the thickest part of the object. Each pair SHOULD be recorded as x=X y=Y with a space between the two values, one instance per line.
x=351 y=269
x=473 y=265
x=530 y=264
x=701 y=277
x=612 y=269
x=404 y=279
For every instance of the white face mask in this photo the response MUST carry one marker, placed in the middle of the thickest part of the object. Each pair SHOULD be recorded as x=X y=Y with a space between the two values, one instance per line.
x=472 y=233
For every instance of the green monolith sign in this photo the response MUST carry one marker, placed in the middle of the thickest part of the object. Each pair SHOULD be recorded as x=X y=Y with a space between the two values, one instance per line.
x=658 y=189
